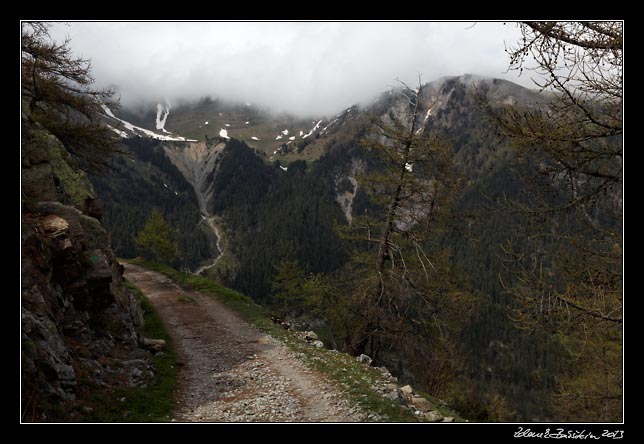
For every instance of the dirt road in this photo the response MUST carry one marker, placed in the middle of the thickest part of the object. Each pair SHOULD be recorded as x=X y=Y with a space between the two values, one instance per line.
x=230 y=371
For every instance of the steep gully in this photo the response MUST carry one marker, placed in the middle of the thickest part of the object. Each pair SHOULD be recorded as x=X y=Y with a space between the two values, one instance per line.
x=196 y=160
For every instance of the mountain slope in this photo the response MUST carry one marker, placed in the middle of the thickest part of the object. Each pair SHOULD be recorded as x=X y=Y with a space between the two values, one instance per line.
x=273 y=207
x=145 y=180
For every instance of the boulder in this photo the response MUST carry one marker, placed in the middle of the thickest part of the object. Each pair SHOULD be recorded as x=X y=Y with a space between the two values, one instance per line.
x=364 y=359
x=448 y=419
x=396 y=396
x=421 y=403
x=318 y=344
x=53 y=224
x=385 y=371
x=311 y=336
x=432 y=416
x=407 y=390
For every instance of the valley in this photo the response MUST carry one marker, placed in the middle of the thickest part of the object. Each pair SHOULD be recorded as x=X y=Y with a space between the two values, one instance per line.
x=248 y=222
x=257 y=203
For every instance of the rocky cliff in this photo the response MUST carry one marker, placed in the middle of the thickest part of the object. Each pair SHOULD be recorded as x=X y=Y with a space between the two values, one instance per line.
x=80 y=323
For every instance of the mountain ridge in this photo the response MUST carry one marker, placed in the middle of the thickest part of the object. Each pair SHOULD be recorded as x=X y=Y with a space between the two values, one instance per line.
x=266 y=201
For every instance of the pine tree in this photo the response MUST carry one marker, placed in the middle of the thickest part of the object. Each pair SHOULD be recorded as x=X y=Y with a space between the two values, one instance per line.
x=154 y=242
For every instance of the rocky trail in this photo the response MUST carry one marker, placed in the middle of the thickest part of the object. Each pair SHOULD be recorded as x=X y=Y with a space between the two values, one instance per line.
x=229 y=370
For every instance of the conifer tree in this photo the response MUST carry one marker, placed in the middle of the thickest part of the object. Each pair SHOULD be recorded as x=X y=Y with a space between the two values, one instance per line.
x=154 y=242
x=57 y=93
x=574 y=291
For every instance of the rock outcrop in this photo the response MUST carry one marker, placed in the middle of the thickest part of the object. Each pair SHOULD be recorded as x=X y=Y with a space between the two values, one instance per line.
x=80 y=323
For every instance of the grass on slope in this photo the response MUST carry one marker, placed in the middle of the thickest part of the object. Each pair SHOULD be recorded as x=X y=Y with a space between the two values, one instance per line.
x=356 y=380
x=149 y=404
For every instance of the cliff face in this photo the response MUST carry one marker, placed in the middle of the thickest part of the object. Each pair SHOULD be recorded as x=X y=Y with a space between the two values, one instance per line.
x=80 y=324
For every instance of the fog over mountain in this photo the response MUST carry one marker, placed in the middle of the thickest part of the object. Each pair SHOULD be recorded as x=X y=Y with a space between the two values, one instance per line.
x=298 y=67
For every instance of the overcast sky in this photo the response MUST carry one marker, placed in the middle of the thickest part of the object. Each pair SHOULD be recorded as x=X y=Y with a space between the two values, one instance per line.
x=300 y=67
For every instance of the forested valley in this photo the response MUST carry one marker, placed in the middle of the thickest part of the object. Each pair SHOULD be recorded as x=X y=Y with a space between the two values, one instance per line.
x=289 y=246
x=465 y=232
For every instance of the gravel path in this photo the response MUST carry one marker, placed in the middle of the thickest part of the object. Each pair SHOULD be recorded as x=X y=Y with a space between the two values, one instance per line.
x=231 y=372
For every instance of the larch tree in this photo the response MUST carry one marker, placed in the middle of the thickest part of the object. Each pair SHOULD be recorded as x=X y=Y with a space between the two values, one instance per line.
x=57 y=93
x=404 y=297
x=573 y=289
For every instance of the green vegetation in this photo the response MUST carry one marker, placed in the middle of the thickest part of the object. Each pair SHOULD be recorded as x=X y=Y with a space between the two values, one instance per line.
x=574 y=148
x=154 y=240
x=58 y=88
x=355 y=378
x=143 y=180
x=516 y=313
x=139 y=404
x=263 y=208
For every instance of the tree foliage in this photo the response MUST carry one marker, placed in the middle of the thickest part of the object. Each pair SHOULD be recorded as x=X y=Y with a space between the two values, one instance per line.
x=154 y=242
x=287 y=284
x=567 y=275
x=401 y=293
x=147 y=171
x=57 y=90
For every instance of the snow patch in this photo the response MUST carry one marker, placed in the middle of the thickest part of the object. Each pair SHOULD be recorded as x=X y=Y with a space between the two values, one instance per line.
x=409 y=166
x=324 y=129
x=224 y=134
x=225 y=124
x=278 y=137
x=205 y=123
x=254 y=138
x=165 y=185
x=429 y=113
x=317 y=125
x=427 y=116
x=123 y=134
x=284 y=168
x=285 y=132
x=160 y=121
x=291 y=138
x=246 y=123
x=301 y=133
x=148 y=133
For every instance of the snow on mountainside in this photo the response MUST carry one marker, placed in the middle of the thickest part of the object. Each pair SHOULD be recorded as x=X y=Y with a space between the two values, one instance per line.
x=138 y=131
x=160 y=122
x=289 y=137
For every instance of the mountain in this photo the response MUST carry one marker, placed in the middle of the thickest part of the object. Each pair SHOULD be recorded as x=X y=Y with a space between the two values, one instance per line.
x=262 y=188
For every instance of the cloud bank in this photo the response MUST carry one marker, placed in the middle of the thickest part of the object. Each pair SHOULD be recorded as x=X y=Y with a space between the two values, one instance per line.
x=299 y=67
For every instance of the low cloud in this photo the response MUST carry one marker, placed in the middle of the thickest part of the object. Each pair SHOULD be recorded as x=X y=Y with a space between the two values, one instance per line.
x=299 y=67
